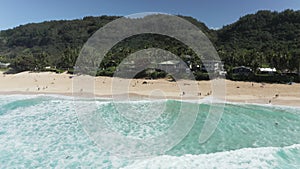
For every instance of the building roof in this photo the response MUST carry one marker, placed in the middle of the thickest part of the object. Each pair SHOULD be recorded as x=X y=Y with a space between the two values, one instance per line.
x=242 y=67
x=170 y=62
x=211 y=61
x=4 y=64
x=267 y=69
x=128 y=63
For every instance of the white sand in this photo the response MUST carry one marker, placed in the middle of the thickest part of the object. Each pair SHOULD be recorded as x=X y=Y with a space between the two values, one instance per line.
x=246 y=92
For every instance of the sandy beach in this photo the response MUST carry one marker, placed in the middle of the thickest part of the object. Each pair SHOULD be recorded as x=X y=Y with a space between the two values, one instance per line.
x=243 y=92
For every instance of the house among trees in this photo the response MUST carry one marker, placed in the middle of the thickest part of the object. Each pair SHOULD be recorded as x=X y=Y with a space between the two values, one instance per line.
x=171 y=65
x=129 y=66
x=267 y=70
x=212 y=66
x=242 y=70
x=4 y=65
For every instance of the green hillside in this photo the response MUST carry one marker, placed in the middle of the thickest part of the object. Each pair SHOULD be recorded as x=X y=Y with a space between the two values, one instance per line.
x=264 y=39
x=58 y=43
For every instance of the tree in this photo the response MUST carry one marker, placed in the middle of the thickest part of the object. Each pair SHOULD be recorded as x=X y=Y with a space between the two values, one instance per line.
x=68 y=59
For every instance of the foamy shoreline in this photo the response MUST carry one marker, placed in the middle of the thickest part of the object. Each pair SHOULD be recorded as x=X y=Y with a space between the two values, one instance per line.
x=62 y=84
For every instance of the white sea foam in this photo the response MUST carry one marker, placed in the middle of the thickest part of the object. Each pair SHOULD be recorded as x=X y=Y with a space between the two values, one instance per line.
x=264 y=157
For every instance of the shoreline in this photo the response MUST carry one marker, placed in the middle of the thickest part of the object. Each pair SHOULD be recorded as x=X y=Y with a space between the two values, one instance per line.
x=200 y=101
x=48 y=83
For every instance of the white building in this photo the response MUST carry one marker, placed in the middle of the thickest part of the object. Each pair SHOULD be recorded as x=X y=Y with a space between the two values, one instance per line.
x=4 y=65
x=172 y=65
x=212 y=66
x=267 y=70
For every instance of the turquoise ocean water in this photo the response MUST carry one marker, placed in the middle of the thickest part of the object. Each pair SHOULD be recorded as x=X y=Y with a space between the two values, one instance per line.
x=43 y=131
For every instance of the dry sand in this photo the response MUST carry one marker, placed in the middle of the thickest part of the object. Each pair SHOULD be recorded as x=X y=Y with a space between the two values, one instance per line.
x=52 y=83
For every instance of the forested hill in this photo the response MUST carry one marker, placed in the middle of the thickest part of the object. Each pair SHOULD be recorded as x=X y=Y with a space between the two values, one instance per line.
x=57 y=43
x=264 y=39
x=50 y=39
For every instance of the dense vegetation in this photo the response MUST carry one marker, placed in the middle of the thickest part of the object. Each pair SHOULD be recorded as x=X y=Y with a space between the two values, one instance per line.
x=54 y=43
x=264 y=39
